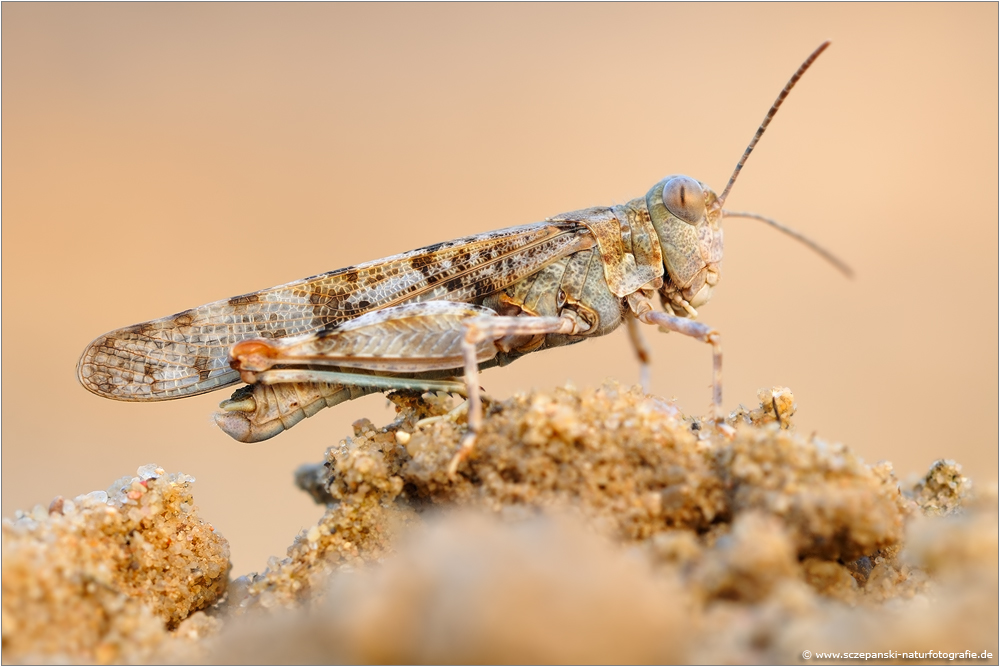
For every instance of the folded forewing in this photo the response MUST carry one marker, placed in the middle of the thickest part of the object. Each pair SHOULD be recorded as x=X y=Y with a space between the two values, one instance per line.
x=187 y=353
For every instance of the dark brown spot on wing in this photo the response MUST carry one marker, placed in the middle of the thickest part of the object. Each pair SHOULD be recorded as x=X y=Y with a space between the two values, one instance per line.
x=202 y=365
x=244 y=299
x=420 y=261
x=425 y=264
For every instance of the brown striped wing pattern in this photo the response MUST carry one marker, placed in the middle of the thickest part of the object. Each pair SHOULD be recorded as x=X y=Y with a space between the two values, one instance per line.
x=187 y=353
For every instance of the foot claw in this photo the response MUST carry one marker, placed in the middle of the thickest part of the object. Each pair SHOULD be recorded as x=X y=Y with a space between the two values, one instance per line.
x=468 y=444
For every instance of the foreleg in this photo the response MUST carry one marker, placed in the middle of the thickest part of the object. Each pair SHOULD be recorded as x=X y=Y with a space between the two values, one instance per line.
x=698 y=331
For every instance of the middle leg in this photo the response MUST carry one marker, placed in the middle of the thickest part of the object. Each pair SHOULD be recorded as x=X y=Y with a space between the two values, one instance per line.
x=477 y=331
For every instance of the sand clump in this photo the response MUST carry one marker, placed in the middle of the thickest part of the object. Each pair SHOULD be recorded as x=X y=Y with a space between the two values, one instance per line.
x=105 y=577
x=587 y=526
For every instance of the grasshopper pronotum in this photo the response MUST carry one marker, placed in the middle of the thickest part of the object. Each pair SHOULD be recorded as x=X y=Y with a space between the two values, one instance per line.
x=419 y=319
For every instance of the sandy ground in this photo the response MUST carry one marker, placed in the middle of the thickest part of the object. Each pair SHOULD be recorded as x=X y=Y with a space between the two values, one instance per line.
x=160 y=156
x=593 y=526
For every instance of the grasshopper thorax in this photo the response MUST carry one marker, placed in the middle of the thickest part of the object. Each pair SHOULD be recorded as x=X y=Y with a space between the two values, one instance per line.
x=687 y=218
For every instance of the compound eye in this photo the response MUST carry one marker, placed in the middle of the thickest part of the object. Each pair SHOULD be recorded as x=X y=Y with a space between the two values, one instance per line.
x=684 y=198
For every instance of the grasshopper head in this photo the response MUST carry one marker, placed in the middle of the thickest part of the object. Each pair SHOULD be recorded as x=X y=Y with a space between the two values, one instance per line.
x=686 y=215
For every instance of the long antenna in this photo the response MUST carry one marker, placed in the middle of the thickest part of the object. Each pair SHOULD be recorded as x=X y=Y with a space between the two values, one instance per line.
x=770 y=114
x=799 y=236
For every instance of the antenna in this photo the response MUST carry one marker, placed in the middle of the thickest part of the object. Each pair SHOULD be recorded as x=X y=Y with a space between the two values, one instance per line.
x=820 y=250
x=799 y=236
x=770 y=114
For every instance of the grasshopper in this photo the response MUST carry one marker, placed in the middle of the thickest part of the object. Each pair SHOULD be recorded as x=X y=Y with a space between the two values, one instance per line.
x=432 y=318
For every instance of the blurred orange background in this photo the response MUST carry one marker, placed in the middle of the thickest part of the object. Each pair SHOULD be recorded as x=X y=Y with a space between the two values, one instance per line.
x=160 y=156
